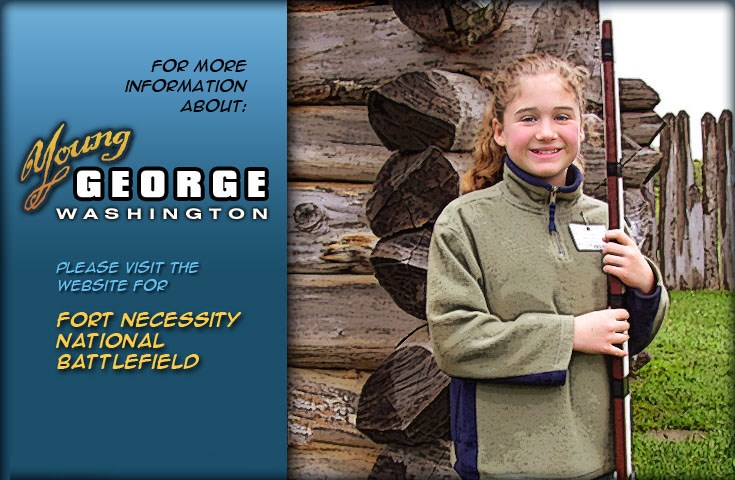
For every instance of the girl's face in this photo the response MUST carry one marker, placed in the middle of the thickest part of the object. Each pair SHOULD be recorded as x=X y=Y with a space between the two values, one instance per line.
x=542 y=128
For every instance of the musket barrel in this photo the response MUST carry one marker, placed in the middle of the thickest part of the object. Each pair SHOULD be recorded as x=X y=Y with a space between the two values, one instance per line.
x=620 y=366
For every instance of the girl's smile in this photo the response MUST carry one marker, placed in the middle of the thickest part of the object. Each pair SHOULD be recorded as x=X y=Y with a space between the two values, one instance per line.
x=544 y=154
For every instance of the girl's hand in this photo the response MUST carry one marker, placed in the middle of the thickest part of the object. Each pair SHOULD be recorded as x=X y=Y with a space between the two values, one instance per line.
x=624 y=260
x=600 y=331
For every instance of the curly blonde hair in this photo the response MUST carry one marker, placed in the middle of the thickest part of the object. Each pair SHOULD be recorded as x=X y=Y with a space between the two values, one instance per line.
x=487 y=167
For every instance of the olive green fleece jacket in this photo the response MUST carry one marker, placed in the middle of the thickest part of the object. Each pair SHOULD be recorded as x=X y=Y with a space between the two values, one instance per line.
x=505 y=282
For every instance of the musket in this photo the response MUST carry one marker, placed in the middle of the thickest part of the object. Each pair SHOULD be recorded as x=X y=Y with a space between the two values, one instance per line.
x=620 y=365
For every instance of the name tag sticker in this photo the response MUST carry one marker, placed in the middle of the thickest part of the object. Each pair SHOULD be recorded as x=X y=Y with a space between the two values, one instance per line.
x=587 y=238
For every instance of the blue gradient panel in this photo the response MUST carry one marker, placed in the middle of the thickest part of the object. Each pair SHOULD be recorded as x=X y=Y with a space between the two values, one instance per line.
x=226 y=417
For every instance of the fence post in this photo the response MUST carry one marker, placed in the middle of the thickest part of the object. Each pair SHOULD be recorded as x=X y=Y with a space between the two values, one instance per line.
x=710 y=201
x=690 y=255
x=667 y=202
x=727 y=222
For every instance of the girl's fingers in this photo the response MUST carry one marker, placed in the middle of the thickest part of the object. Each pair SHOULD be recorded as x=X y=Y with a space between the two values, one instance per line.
x=621 y=326
x=619 y=313
x=614 y=270
x=614 y=260
x=619 y=338
x=615 y=249
x=616 y=352
x=619 y=236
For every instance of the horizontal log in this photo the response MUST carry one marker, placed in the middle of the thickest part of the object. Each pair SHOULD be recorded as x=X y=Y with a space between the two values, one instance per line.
x=636 y=95
x=322 y=406
x=638 y=129
x=313 y=156
x=343 y=321
x=641 y=127
x=333 y=143
x=422 y=462
x=432 y=107
x=327 y=228
x=640 y=166
x=638 y=163
x=323 y=461
x=336 y=143
x=637 y=168
x=338 y=57
x=329 y=5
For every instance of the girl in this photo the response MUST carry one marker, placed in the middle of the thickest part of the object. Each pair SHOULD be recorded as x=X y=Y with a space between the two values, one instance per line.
x=517 y=290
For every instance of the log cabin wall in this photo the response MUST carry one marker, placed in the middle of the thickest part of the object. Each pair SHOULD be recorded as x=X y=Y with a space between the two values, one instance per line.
x=364 y=82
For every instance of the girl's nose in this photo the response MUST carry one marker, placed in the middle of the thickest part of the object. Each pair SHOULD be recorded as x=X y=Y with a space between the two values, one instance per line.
x=546 y=131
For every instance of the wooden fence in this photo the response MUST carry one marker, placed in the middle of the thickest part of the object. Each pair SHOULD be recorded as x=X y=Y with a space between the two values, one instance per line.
x=695 y=223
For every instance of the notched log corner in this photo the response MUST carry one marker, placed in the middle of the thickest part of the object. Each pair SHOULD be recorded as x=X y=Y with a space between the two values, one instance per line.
x=410 y=191
x=432 y=107
x=453 y=25
x=406 y=400
x=425 y=462
x=399 y=263
x=636 y=95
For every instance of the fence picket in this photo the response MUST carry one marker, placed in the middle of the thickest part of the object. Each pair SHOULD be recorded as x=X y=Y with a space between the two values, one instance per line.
x=726 y=201
x=691 y=266
x=667 y=196
x=696 y=244
x=710 y=201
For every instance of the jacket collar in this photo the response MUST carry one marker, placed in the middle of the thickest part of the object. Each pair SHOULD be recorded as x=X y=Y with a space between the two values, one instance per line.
x=523 y=185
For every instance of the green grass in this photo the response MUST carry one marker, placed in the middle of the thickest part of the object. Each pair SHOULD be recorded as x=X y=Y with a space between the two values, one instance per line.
x=689 y=385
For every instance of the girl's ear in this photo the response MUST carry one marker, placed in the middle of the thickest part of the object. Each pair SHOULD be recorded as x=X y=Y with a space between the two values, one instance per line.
x=498 y=132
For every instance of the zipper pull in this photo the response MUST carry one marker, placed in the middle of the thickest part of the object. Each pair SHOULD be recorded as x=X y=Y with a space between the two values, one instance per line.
x=552 y=209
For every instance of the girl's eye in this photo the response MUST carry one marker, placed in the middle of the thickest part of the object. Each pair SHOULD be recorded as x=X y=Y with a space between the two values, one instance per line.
x=563 y=117
x=528 y=118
